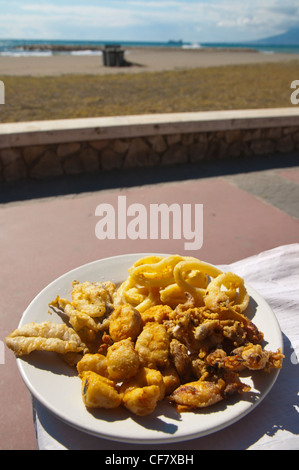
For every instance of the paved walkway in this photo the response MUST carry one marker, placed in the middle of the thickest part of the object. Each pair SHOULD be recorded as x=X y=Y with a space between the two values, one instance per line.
x=49 y=228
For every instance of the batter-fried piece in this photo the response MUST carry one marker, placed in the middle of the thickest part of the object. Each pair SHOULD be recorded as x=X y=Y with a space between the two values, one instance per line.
x=253 y=357
x=142 y=401
x=250 y=356
x=158 y=313
x=92 y=298
x=79 y=320
x=99 y=392
x=200 y=368
x=181 y=359
x=90 y=303
x=235 y=293
x=125 y=322
x=234 y=332
x=93 y=362
x=46 y=336
x=199 y=394
x=144 y=378
x=171 y=379
x=122 y=360
x=208 y=334
x=152 y=346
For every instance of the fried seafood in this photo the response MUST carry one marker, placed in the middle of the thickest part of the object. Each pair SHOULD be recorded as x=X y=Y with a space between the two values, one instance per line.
x=78 y=320
x=142 y=401
x=125 y=322
x=175 y=329
x=184 y=280
x=94 y=363
x=181 y=359
x=157 y=280
x=141 y=393
x=171 y=379
x=197 y=394
x=250 y=356
x=235 y=292
x=144 y=378
x=99 y=392
x=122 y=360
x=93 y=299
x=90 y=303
x=46 y=336
x=152 y=346
x=204 y=393
x=158 y=314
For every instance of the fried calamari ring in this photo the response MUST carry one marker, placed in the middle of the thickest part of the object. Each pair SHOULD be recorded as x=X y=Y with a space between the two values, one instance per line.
x=235 y=293
x=158 y=274
x=154 y=280
x=128 y=292
x=183 y=268
x=146 y=260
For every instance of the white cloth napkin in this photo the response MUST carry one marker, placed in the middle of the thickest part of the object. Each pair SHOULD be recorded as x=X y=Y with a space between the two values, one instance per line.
x=274 y=423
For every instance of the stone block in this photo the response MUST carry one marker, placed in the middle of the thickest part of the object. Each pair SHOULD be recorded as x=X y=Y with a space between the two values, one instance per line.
x=197 y=151
x=232 y=136
x=90 y=160
x=216 y=149
x=138 y=154
x=99 y=144
x=48 y=165
x=63 y=150
x=173 y=139
x=111 y=160
x=15 y=171
x=73 y=165
x=203 y=137
x=286 y=144
x=236 y=149
x=289 y=130
x=262 y=147
x=32 y=153
x=157 y=143
x=10 y=155
x=188 y=139
x=120 y=146
x=253 y=134
x=153 y=159
x=175 y=154
x=273 y=133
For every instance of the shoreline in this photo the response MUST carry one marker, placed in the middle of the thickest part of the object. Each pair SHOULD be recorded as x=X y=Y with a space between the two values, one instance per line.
x=91 y=47
x=138 y=59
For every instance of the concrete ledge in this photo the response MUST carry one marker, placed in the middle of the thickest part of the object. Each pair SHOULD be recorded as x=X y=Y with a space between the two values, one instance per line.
x=120 y=127
x=36 y=150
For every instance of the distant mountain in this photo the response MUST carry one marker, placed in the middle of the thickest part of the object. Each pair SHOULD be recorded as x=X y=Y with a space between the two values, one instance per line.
x=289 y=38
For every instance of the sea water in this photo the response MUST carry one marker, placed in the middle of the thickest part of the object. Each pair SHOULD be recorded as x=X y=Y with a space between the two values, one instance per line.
x=18 y=47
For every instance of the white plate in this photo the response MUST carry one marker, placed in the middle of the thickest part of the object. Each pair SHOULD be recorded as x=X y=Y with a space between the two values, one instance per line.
x=58 y=388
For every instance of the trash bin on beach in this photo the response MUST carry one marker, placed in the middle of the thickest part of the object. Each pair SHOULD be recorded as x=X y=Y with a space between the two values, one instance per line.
x=113 y=56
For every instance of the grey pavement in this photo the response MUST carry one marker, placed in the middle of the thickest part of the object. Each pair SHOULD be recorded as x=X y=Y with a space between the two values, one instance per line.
x=272 y=186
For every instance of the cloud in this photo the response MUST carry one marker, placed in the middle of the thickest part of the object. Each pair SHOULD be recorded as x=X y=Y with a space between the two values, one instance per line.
x=203 y=20
x=92 y=14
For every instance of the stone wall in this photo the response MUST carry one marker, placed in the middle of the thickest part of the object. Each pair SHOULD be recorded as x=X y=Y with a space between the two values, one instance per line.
x=19 y=162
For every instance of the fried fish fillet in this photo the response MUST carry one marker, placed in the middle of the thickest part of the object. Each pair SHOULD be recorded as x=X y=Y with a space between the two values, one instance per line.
x=46 y=336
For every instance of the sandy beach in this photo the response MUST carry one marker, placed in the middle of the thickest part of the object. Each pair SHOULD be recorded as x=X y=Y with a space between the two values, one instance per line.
x=138 y=59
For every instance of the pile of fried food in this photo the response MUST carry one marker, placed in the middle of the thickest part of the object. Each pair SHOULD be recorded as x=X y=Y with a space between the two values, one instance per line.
x=175 y=329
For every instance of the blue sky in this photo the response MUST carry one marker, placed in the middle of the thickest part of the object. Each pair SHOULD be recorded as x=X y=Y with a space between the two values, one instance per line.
x=152 y=20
